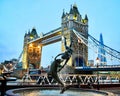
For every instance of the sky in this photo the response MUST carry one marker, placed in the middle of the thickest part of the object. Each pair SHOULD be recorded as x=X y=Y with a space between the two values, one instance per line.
x=19 y=16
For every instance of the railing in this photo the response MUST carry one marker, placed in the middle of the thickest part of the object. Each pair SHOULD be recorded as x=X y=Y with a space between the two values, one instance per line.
x=44 y=79
x=109 y=66
x=101 y=66
x=76 y=78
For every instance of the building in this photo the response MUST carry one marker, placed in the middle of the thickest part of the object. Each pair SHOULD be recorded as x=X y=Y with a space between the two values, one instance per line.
x=101 y=51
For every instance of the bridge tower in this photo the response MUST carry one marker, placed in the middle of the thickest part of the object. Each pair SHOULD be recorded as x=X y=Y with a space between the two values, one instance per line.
x=70 y=21
x=32 y=51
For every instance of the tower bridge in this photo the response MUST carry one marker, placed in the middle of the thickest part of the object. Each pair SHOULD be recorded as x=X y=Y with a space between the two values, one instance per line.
x=48 y=38
x=74 y=28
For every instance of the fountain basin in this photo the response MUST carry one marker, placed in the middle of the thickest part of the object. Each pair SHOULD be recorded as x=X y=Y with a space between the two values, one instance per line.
x=50 y=91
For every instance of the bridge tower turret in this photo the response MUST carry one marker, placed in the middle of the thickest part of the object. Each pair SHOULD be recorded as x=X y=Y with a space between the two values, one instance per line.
x=31 y=52
x=70 y=21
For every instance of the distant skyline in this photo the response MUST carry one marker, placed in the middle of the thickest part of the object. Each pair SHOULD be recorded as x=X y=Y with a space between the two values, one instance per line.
x=19 y=16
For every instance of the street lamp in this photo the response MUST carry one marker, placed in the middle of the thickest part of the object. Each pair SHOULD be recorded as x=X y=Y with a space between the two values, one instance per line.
x=97 y=61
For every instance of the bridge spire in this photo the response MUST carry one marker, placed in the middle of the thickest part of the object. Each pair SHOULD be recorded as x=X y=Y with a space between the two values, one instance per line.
x=63 y=15
x=86 y=18
x=71 y=10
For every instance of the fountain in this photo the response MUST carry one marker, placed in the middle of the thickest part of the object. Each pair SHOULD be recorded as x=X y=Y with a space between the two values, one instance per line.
x=47 y=91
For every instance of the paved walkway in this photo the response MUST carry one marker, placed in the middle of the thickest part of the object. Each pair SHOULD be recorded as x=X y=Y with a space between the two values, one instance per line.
x=115 y=90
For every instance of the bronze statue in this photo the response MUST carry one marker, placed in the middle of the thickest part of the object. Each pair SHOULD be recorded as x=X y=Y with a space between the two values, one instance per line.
x=56 y=64
x=54 y=69
x=67 y=54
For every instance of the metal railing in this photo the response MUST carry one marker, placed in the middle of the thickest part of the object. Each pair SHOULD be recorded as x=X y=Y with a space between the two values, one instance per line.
x=45 y=79
x=75 y=78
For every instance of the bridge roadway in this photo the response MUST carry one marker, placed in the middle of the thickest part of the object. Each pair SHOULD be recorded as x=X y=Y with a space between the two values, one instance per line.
x=48 y=38
x=100 y=68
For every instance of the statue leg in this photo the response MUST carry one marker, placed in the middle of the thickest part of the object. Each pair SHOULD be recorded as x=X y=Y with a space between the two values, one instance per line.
x=64 y=89
x=55 y=76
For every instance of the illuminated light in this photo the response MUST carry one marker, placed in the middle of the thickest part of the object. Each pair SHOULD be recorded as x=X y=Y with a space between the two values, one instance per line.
x=31 y=45
x=38 y=46
x=31 y=37
x=10 y=64
x=79 y=41
x=97 y=60
x=75 y=17
x=59 y=33
x=85 y=21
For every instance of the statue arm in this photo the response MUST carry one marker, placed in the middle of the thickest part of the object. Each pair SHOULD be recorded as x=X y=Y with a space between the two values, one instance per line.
x=63 y=65
x=65 y=44
x=58 y=55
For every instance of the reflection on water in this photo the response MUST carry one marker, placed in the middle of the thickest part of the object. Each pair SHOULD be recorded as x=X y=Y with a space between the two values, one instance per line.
x=57 y=93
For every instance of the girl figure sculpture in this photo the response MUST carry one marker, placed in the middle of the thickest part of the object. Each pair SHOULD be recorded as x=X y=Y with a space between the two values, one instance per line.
x=67 y=54
x=56 y=64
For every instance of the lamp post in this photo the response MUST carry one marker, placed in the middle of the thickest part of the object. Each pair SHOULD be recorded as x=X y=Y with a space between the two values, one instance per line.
x=97 y=61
